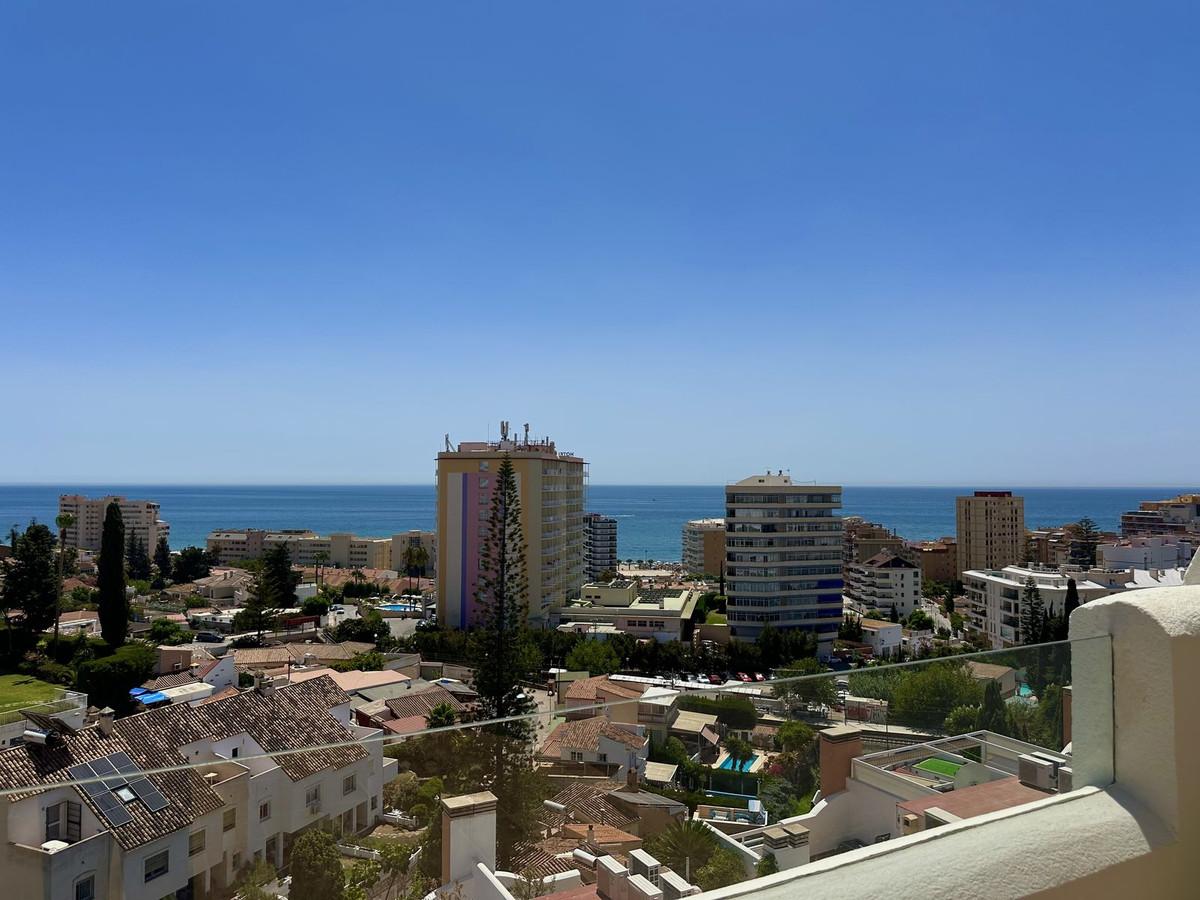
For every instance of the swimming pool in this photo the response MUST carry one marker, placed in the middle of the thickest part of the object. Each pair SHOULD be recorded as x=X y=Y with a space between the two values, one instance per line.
x=747 y=765
x=400 y=607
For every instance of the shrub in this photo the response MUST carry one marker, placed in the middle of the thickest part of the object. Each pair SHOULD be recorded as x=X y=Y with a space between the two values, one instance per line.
x=108 y=680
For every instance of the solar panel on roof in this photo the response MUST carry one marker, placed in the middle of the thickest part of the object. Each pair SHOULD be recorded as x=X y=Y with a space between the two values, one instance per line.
x=123 y=763
x=142 y=786
x=118 y=815
x=103 y=767
x=155 y=802
x=81 y=771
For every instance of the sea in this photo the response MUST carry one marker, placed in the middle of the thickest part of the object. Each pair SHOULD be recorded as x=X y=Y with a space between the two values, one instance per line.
x=649 y=518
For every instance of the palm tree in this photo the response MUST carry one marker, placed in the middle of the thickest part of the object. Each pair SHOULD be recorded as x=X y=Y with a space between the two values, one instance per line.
x=321 y=558
x=441 y=716
x=63 y=521
x=685 y=846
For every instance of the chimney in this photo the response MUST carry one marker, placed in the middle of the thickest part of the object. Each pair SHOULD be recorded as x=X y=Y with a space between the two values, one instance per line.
x=105 y=721
x=591 y=836
x=468 y=835
x=838 y=748
x=263 y=685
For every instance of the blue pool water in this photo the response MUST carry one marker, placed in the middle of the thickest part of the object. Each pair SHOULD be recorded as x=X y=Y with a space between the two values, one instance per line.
x=400 y=607
x=727 y=763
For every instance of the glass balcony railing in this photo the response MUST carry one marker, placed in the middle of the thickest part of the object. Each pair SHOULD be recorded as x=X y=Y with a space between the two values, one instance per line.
x=622 y=785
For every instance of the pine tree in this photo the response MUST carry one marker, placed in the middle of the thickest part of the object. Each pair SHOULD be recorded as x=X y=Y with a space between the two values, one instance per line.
x=317 y=872
x=137 y=559
x=110 y=582
x=30 y=584
x=1084 y=541
x=274 y=589
x=502 y=644
x=162 y=558
x=1033 y=613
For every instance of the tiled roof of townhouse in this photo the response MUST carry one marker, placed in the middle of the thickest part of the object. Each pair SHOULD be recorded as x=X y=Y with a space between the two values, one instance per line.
x=585 y=734
x=174 y=679
x=419 y=704
x=591 y=688
x=587 y=801
x=293 y=719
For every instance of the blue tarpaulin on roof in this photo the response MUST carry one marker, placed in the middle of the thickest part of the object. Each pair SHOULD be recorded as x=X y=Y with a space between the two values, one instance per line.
x=137 y=692
x=154 y=697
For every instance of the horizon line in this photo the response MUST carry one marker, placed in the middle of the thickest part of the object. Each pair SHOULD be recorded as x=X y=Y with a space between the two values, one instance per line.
x=663 y=484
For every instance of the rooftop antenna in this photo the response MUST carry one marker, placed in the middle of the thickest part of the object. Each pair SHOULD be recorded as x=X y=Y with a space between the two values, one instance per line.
x=447 y=442
x=526 y=434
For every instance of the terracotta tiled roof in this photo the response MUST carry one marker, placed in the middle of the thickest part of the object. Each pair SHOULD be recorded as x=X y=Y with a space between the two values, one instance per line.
x=419 y=704
x=230 y=691
x=586 y=801
x=584 y=688
x=292 y=719
x=539 y=863
x=206 y=668
x=175 y=679
x=585 y=734
x=591 y=688
x=601 y=834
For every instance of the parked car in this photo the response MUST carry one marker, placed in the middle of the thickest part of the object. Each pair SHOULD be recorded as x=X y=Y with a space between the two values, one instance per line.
x=715 y=679
x=758 y=676
x=208 y=637
x=743 y=677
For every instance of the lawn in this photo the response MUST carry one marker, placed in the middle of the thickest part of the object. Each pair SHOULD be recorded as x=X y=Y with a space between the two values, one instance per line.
x=939 y=767
x=19 y=691
x=716 y=618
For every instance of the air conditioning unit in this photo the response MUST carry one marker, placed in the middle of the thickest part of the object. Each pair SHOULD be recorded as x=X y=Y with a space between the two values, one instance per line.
x=1065 y=779
x=1035 y=772
x=55 y=846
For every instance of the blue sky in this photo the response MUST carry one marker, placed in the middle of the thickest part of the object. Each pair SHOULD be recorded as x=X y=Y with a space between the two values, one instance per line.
x=939 y=243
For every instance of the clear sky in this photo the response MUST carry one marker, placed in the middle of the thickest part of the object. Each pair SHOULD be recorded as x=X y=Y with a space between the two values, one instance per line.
x=923 y=243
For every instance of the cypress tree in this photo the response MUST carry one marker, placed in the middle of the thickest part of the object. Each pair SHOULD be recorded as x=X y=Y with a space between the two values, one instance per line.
x=137 y=559
x=993 y=715
x=1071 y=603
x=162 y=558
x=1033 y=613
x=114 y=604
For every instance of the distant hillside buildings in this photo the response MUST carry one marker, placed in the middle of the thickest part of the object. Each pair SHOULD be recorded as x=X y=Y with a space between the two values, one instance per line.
x=1178 y=516
x=140 y=518
x=307 y=548
x=551 y=485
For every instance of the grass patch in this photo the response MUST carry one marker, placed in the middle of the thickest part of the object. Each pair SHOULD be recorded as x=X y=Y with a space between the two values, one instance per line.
x=939 y=767
x=716 y=618
x=19 y=691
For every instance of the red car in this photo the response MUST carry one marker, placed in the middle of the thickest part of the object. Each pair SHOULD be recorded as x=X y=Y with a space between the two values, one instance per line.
x=758 y=676
x=742 y=676
x=715 y=679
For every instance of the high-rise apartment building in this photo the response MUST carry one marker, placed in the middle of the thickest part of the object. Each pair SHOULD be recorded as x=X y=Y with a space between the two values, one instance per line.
x=340 y=550
x=551 y=486
x=991 y=530
x=140 y=518
x=1179 y=516
x=704 y=547
x=862 y=539
x=599 y=545
x=783 y=548
x=884 y=582
x=937 y=560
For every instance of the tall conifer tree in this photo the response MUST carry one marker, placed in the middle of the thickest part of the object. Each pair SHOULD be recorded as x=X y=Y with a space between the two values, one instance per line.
x=114 y=604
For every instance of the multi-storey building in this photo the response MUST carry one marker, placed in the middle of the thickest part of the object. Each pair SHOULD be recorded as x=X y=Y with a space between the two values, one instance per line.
x=599 y=545
x=551 y=487
x=1179 y=516
x=1153 y=552
x=783 y=548
x=143 y=833
x=991 y=530
x=885 y=581
x=704 y=547
x=995 y=597
x=622 y=606
x=862 y=539
x=340 y=550
x=140 y=518
x=937 y=560
x=421 y=540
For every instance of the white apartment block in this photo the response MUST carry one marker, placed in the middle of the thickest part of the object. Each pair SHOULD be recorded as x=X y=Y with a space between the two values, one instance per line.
x=246 y=794
x=883 y=582
x=1154 y=552
x=783 y=544
x=994 y=596
x=599 y=545
x=140 y=518
x=340 y=550
x=704 y=546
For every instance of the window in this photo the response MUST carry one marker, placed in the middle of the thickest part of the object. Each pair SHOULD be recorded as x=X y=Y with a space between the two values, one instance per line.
x=576 y=756
x=233 y=754
x=63 y=822
x=348 y=785
x=196 y=841
x=603 y=757
x=85 y=888
x=229 y=821
x=157 y=865
x=312 y=799
x=374 y=804
x=264 y=811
